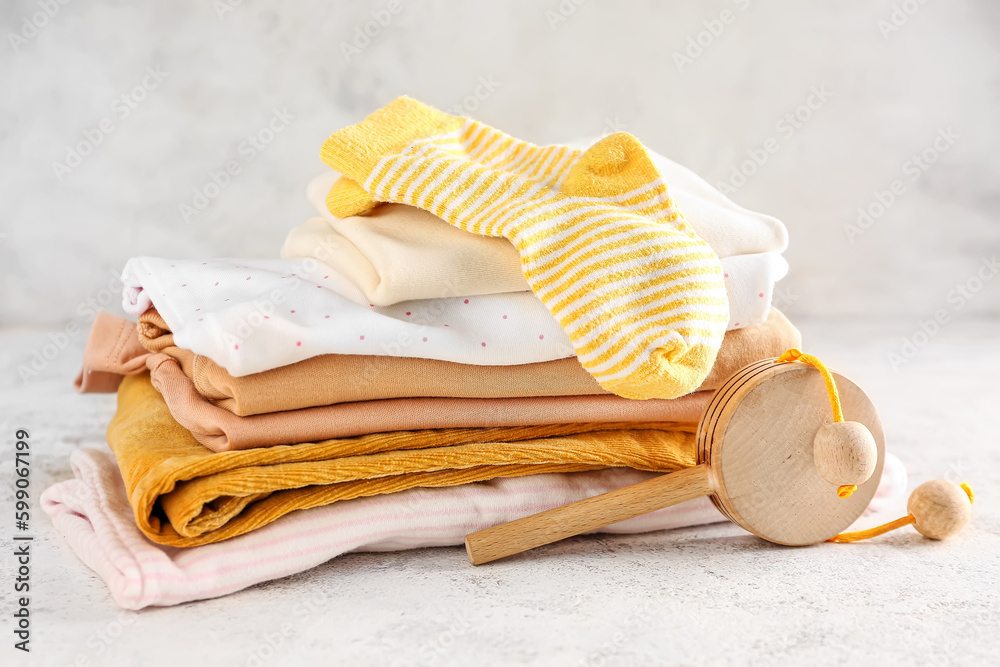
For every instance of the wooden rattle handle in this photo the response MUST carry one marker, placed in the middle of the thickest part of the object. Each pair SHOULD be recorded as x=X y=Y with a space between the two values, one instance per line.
x=584 y=515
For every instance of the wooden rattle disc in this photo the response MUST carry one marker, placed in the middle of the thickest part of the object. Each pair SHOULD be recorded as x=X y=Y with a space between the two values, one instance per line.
x=760 y=461
x=772 y=446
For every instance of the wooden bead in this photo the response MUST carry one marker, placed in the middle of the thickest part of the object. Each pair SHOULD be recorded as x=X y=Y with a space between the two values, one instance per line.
x=845 y=453
x=940 y=508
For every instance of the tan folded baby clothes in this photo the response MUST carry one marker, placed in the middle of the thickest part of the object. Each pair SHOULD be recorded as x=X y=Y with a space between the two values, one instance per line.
x=113 y=350
x=221 y=430
x=331 y=379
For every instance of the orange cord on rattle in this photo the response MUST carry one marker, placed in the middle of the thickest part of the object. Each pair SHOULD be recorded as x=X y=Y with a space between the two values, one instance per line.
x=795 y=354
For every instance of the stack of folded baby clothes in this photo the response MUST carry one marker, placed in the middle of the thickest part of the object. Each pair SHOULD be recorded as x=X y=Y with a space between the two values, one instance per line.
x=473 y=329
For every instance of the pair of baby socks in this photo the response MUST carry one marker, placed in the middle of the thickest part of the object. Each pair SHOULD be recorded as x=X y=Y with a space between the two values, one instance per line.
x=639 y=294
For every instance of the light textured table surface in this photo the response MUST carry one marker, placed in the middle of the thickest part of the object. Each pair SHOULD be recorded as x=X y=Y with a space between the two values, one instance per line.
x=707 y=595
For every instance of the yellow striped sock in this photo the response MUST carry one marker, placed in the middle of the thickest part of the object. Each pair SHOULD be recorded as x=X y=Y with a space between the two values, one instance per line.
x=546 y=164
x=639 y=294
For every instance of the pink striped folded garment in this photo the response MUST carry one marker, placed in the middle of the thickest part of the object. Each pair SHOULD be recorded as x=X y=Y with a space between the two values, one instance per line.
x=93 y=514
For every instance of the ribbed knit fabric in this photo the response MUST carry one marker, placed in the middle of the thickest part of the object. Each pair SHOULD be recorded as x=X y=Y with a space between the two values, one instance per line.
x=639 y=294
x=183 y=494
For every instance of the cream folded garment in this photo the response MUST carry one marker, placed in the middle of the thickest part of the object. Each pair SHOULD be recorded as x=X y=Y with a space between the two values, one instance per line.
x=93 y=514
x=250 y=316
x=400 y=253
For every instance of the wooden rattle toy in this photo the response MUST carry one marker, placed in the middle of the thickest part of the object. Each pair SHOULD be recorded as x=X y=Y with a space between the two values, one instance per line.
x=771 y=461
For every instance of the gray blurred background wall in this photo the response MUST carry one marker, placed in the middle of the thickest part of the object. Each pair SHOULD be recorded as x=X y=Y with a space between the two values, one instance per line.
x=869 y=127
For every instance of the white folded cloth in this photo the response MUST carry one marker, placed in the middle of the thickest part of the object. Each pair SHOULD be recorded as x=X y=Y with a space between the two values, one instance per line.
x=253 y=315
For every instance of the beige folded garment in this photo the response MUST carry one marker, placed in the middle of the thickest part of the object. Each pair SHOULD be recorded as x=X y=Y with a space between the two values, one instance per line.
x=333 y=378
x=401 y=253
x=398 y=253
x=221 y=430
